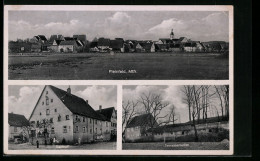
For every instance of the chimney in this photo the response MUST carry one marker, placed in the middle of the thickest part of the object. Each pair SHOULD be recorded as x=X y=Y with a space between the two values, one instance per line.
x=69 y=90
x=100 y=108
x=87 y=101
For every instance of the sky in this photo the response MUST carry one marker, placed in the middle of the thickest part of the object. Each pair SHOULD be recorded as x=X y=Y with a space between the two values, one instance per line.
x=170 y=94
x=22 y=99
x=138 y=25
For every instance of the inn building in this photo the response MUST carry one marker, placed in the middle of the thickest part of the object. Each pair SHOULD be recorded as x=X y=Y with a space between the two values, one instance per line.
x=66 y=117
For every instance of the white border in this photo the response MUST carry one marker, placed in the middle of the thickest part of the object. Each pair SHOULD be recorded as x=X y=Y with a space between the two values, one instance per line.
x=119 y=83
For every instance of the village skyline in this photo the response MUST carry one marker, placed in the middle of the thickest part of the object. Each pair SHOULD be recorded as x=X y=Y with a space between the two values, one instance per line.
x=198 y=26
x=22 y=99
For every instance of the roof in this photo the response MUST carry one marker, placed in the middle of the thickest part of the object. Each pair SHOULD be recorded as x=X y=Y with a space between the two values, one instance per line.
x=184 y=126
x=17 y=120
x=93 y=44
x=141 y=120
x=67 y=42
x=76 y=104
x=190 y=44
x=55 y=37
x=146 y=46
x=80 y=37
x=116 y=43
x=103 y=42
x=41 y=37
x=107 y=112
x=69 y=38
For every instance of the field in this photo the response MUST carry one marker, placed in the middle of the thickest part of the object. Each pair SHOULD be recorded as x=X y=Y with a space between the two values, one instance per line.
x=177 y=146
x=124 y=66
x=94 y=146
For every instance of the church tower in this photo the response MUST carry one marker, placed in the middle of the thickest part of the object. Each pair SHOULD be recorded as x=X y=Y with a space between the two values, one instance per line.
x=172 y=35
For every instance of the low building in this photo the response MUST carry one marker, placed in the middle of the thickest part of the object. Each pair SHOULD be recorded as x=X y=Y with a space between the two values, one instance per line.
x=117 y=45
x=103 y=44
x=70 y=46
x=190 y=47
x=145 y=47
x=137 y=127
x=18 y=125
x=68 y=118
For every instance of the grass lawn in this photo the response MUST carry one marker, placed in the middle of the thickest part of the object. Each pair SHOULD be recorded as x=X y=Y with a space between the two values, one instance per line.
x=93 y=146
x=177 y=146
x=91 y=66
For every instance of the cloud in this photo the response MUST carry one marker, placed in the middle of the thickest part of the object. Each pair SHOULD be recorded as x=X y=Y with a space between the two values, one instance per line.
x=25 y=102
x=211 y=27
x=20 y=29
x=99 y=95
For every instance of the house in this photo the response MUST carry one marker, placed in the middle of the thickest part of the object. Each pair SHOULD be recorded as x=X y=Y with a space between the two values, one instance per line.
x=110 y=116
x=54 y=45
x=17 y=47
x=173 y=131
x=39 y=38
x=117 y=45
x=190 y=47
x=130 y=45
x=145 y=47
x=36 y=47
x=56 y=37
x=103 y=44
x=161 y=47
x=93 y=46
x=182 y=40
x=164 y=41
x=70 y=46
x=175 y=47
x=17 y=127
x=61 y=115
x=137 y=127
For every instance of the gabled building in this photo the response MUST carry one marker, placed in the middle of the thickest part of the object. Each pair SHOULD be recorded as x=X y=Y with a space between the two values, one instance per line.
x=145 y=47
x=18 y=127
x=61 y=115
x=117 y=45
x=137 y=127
x=70 y=46
x=190 y=47
x=40 y=38
x=182 y=40
x=103 y=44
x=110 y=115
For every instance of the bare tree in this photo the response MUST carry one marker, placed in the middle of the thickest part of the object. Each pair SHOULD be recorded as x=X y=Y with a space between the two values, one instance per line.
x=172 y=115
x=153 y=104
x=188 y=98
x=129 y=111
x=223 y=95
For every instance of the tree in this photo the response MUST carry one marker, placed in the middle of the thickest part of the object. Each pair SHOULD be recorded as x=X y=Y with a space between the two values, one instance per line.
x=153 y=104
x=223 y=96
x=129 y=111
x=172 y=114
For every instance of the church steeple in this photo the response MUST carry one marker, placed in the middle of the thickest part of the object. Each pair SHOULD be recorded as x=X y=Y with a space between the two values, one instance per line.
x=172 y=35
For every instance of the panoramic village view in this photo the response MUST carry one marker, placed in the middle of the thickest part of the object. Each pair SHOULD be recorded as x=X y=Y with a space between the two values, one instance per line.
x=176 y=117
x=53 y=118
x=121 y=46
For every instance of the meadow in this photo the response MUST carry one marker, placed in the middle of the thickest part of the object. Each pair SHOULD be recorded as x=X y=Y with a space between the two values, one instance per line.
x=105 y=66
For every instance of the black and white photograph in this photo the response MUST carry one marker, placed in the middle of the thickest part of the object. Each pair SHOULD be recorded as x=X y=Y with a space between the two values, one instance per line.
x=120 y=44
x=182 y=117
x=62 y=117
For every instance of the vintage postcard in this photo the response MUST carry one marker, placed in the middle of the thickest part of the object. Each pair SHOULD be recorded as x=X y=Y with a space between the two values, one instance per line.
x=118 y=80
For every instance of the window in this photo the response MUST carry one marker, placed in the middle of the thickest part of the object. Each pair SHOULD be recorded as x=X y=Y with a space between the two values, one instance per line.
x=47 y=100
x=96 y=130
x=95 y=121
x=83 y=119
x=111 y=124
x=84 y=129
x=106 y=124
x=40 y=113
x=90 y=131
x=59 y=118
x=89 y=120
x=51 y=100
x=52 y=130
x=101 y=130
x=64 y=129
x=15 y=129
x=47 y=112
x=182 y=132
x=55 y=110
x=42 y=102
x=76 y=129
x=67 y=117
x=51 y=120
x=46 y=92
